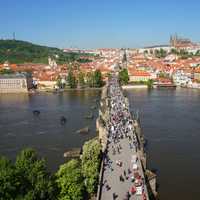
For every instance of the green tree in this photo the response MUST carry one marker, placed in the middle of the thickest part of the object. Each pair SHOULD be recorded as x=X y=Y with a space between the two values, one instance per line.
x=21 y=52
x=184 y=54
x=123 y=76
x=174 y=51
x=6 y=71
x=71 y=79
x=160 y=53
x=91 y=158
x=150 y=83
x=197 y=53
x=81 y=79
x=70 y=181
x=9 y=180
x=36 y=183
x=90 y=79
x=98 y=81
x=59 y=82
x=84 y=60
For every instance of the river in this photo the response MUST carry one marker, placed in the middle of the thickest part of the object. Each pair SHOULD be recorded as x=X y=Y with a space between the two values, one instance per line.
x=170 y=121
x=19 y=128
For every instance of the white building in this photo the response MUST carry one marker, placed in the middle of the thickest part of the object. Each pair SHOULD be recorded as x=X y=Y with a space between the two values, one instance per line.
x=180 y=78
x=14 y=83
x=153 y=49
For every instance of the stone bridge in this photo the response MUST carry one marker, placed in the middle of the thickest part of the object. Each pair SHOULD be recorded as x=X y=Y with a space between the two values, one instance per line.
x=139 y=183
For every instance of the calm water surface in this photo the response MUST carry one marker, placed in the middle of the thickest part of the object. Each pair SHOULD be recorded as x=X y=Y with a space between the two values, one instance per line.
x=170 y=121
x=20 y=129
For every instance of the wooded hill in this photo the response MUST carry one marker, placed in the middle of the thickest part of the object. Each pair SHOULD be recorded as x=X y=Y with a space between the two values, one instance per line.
x=16 y=51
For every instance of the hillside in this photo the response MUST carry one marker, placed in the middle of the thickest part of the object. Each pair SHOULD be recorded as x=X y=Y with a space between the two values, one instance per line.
x=16 y=51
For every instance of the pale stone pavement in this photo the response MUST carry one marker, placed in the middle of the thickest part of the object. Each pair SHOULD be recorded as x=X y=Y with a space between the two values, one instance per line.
x=112 y=177
x=119 y=111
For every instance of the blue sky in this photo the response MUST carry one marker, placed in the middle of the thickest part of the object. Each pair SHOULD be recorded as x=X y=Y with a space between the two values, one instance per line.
x=99 y=23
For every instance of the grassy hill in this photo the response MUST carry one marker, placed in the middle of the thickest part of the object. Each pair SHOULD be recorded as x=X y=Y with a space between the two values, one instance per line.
x=16 y=51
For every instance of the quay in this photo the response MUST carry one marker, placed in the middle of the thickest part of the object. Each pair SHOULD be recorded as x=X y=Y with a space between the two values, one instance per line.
x=123 y=172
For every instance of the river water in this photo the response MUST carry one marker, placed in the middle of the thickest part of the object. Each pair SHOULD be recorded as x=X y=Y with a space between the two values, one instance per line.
x=170 y=121
x=19 y=128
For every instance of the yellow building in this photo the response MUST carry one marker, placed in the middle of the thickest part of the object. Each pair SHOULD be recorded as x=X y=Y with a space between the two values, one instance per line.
x=137 y=76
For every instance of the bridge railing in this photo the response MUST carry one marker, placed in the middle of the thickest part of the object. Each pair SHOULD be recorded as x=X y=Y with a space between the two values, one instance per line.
x=99 y=190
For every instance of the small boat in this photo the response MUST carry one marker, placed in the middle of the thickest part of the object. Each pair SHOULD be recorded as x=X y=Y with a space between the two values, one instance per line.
x=63 y=120
x=89 y=116
x=36 y=112
x=72 y=153
x=83 y=130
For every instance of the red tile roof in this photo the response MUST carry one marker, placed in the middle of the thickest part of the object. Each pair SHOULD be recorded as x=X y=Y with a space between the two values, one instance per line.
x=139 y=73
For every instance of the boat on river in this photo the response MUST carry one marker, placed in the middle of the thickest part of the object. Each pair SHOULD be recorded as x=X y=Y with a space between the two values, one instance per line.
x=83 y=130
x=89 y=116
x=36 y=112
x=63 y=120
x=72 y=153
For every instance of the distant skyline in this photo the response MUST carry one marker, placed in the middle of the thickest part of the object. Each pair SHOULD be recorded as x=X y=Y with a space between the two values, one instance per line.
x=99 y=23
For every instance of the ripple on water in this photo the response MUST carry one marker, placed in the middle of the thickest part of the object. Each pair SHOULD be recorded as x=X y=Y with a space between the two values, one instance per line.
x=8 y=150
x=10 y=134
x=54 y=149
x=164 y=139
x=25 y=122
x=41 y=132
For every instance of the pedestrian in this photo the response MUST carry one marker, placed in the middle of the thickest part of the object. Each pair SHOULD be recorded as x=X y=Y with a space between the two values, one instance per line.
x=132 y=179
x=124 y=173
x=127 y=195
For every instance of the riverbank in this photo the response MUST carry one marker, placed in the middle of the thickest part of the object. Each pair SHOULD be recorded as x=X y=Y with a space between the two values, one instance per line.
x=63 y=90
x=127 y=87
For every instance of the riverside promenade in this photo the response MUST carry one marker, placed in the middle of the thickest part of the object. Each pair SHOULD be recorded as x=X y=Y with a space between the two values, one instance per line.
x=122 y=172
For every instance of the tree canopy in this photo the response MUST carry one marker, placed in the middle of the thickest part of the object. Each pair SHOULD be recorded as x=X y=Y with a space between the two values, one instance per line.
x=28 y=178
x=71 y=79
x=90 y=164
x=123 y=76
x=6 y=71
x=94 y=79
x=160 y=53
x=35 y=181
x=17 y=51
x=9 y=180
x=81 y=79
x=98 y=82
x=70 y=181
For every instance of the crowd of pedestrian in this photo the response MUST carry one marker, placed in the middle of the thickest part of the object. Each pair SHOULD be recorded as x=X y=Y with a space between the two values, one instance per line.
x=120 y=127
